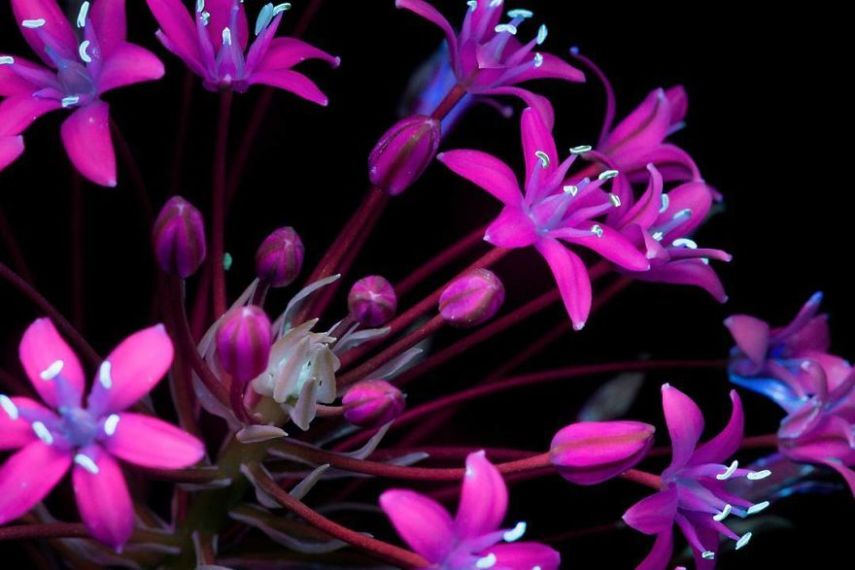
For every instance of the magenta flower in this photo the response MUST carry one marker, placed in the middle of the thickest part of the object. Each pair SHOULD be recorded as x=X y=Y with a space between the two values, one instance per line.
x=82 y=62
x=550 y=209
x=214 y=47
x=90 y=437
x=472 y=539
x=487 y=59
x=693 y=493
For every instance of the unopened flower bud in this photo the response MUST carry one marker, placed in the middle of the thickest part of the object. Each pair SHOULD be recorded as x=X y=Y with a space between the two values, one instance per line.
x=372 y=301
x=279 y=258
x=403 y=153
x=179 y=238
x=472 y=299
x=243 y=342
x=587 y=453
x=372 y=403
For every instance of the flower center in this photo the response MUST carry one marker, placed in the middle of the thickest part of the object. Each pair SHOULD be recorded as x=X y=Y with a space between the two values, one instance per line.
x=78 y=426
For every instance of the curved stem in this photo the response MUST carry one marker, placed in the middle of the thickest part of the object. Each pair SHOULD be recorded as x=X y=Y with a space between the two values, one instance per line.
x=643 y=478
x=39 y=531
x=448 y=255
x=13 y=248
x=218 y=232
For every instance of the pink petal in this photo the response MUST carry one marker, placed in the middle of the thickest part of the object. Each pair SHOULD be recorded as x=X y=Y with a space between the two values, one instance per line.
x=421 y=522
x=129 y=64
x=525 y=556
x=11 y=82
x=553 y=67
x=513 y=228
x=845 y=472
x=433 y=16
x=221 y=18
x=751 y=336
x=572 y=278
x=537 y=102
x=679 y=103
x=292 y=81
x=131 y=370
x=654 y=514
x=16 y=416
x=19 y=111
x=645 y=211
x=644 y=128
x=10 y=149
x=483 y=499
x=693 y=196
x=536 y=141
x=28 y=476
x=727 y=442
x=660 y=554
x=685 y=423
x=687 y=272
x=486 y=171
x=56 y=32
x=673 y=162
x=610 y=244
x=87 y=140
x=285 y=53
x=108 y=19
x=102 y=497
x=178 y=31
x=150 y=442
x=51 y=365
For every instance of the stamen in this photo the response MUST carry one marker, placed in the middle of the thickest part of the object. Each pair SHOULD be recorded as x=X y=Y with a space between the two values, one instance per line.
x=43 y=432
x=597 y=230
x=658 y=236
x=754 y=509
x=728 y=472
x=205 y=17
x=227 y=37
x=264 y=18
x=200 y=5
x=473 y=4
x=104 y=376
x=728 y=508
x=685 y=242
x=279 y=8
x=543 y=157
x=538 y=59
x=9 y=407
x=684 y=213
x=86 y=462
x=581 y=149
x=708 y=555
x=52 y=371
x=69 y=101
x=666 y=201
x=615 y=200
x=33 y=24
x=757 y=475
x=510 y=28
x=519 y=13
x=227 y=261
x=111 y=423
x=486 y=562
x=516 y=533
x=495 y=3
x=743 y=540
x=542 y=32
x=81 y=51
x=571 y=189
x=608 y=175
x=7 y=60
x=81 y=16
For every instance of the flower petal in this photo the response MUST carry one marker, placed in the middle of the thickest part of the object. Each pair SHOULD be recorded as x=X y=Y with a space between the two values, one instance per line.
x=102 y=497
x=537 y=102
x=129 y=64
x=687 y=272
x=751 y=336
x=51 y=365
x=222 y=12
x=525 y=556
x=483 y=499
x=572 y=278
x=433 y=16
x=642 y=130
x=292 y=81
x=610 y=244
x=110 y=24
x=178 y=31
x=131 y=370
x=19 y=111
x=654 y=514
x=485 y=171
x=87 y=140
x=28 y=476
x=56 y=31
x=539 y=152
x=660 y=554
x=150 y=442
x=551 y=67
x=10 y=149
x=685 y=423
x=513 y=228
x=421 y=522
x=285 y=53
x=727 y=442
x=16 y=416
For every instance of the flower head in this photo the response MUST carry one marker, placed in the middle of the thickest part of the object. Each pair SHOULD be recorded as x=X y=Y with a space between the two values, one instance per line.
x=372 y=301
x=472 y=299
x=80 y=62
x=215 y=46
x=693 y=494
x=473 y=538
x=87 y=437
x=179 y=238
x=279 y=258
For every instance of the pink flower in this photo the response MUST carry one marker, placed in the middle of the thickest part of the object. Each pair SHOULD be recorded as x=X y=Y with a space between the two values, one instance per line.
x=91 y=437
x=82 y=62
x=551 y=210
x=693 y=494
x=472 y=539
x=487 y=59
x=214 y=47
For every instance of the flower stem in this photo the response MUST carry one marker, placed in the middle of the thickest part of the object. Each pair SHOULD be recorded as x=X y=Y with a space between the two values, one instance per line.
x=13 y=248
x=760 y=441
x=449 y=255
x=218 y=233
x=643 y=478
x=449 y=102
x=135 y=173
x=64 y=530
x=77 y=244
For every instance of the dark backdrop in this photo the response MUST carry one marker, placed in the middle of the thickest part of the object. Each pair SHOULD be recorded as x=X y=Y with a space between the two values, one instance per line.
x=767 y=125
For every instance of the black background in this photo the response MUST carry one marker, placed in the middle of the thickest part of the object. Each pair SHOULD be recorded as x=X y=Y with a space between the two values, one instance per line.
x=768 y=126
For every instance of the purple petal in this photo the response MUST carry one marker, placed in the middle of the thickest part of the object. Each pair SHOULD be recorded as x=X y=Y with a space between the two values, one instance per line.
x=537 y=102
x=292 y=81
x=108 y=19
x=11 y=80
x=87 y=140
x=221 y=18
x=513 y=228
x=654 y=514
x=421 y=522
x=178 y=31
x=541 y=157
x=552 y=67
x=486 y=171
x=10 y=149
x=645 y=211
x=687 y=272
x=150 y=442
x=16 y=416
x=644 y=128
x=28 y=476
x=685 y=423
x=131 y=370
x=525 y=556
x=102 y=497
x=610 y=244
x=660 y=554
x=129 y=64
x=56 y=31
x=433 y=16
x=751 y=336
x=727 y=442
x=483 y=499
x=673 y=162
x=285 y=53
x=19 y=111
x=51 y=365
x=572 y=278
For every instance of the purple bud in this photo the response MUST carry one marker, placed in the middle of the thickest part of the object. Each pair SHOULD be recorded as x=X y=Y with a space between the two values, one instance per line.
x=279 y=258
x=403 y=153
x=372 y=403
x=243 y=342
x=372 y=301
x=587 y=453
x=472 y=299
x=179 y=238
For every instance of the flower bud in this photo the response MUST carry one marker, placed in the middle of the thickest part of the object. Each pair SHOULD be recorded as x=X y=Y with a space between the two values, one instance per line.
x=587 y=453
x=179 y=238
x=372 y=403
x=279 y=258
x=403 y=153
x=372 y=301
x=472 y=299
x=243 y=342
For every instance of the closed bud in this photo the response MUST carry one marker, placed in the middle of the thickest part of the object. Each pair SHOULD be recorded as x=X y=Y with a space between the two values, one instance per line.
x=472 y=299
x=179 y=238
x=372 y=403
x=243 y=342
x=587 y=453
x=403 y=153
x=279 y=259
x=372 y=301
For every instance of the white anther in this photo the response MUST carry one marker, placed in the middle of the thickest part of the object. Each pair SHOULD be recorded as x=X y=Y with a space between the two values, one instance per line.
x=728 y=473
x=34 y=24
x=43 y=432
x=515 y=533
x=473 y=4
x=264 y=17
x=70 y=101
x=279 y=8
x=608 y=174
x=708 y=555
x=743 y=540
x=104 y=375
x=6 y=60
x=111 y=423
x=205 y=17
x=86 y=462
x=581 y=149
x=542 y=32
x=754 y=509
x=571 y=189
x=658 y=236
x=684 y=213
x=81 y=16
x=510 y=28
x=757 y=475
x=227 y=37
x=486 y=562
x=520 y=13
x=9 y=407
x=81 y=51
x=615 y=200
x=52 y=371
x=200 y=5
x=543 y=157
x=495 y=3
x=724 y=513
x=666 y=201
x=597 y=230
x=538 y=59
x=685 y=242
